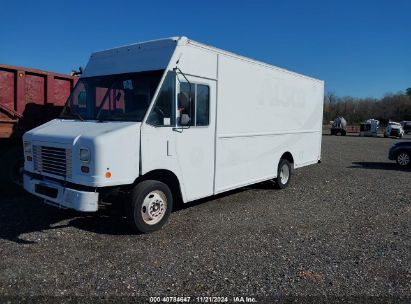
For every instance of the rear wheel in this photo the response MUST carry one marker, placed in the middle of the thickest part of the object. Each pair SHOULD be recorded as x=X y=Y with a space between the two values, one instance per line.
x=149 y=207
x=403 y=158
x=283 y=174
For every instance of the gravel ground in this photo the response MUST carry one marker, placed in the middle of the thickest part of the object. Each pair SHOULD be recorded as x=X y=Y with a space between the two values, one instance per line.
x=341 y=229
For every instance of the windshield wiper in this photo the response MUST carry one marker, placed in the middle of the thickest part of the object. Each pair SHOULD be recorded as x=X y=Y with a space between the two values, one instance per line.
x=67 y=112
x=78 y=116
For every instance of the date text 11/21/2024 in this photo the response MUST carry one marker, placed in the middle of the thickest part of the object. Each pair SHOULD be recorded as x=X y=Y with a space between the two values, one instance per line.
x=202 y=299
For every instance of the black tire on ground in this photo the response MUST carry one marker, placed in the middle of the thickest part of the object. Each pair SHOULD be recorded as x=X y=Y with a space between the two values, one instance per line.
x=283 y=174
x=149 y=207
x=11 y=164
x=343 y=133
x=403 y=158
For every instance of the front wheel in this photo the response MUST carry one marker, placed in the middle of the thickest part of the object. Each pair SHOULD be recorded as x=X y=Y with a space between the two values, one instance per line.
x=149 y=207
x=403 y=159
x=283 y=174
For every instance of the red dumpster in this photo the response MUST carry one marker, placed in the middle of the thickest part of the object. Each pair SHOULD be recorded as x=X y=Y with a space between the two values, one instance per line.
x=28 y=98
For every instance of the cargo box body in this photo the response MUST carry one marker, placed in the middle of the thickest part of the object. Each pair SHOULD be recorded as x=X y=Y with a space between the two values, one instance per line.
x=262 y=113
x=259 y=111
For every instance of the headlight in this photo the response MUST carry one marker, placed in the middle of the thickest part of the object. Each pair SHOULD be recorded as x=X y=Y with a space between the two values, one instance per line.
x=27 y=147
x=84 y=155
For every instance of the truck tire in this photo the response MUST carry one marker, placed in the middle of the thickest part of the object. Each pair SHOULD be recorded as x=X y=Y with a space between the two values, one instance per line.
x=283 y=174
x=149 y=207
x=343 y=132
x=403 y=158
x=11 y=164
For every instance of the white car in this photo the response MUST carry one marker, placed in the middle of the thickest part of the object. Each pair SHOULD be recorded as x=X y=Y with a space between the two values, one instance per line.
x=394 y=129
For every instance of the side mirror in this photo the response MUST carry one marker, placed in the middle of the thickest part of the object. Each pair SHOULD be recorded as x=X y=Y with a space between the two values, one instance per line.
x=185 y=120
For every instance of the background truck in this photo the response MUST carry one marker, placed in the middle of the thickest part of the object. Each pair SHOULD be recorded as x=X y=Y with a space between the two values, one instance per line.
x=406 y=125
x=394 y=129
x=369 y=127
x=339 y=126
x=173 y=120
x=28 y=98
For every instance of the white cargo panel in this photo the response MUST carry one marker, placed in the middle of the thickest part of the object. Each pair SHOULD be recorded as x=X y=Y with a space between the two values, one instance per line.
x=263 y=112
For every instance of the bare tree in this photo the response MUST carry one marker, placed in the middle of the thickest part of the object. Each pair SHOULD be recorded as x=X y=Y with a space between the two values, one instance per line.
x=396 y=107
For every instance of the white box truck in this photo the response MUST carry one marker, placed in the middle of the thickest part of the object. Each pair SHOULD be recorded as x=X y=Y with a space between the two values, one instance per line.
x=173 y=119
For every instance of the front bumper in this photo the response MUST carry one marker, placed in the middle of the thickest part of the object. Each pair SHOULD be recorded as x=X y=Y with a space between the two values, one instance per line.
x=56 y=193
x=395 y=133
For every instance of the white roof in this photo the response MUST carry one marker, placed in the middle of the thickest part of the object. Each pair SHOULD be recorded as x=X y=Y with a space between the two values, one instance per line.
x=145 y=56
x=153 y=55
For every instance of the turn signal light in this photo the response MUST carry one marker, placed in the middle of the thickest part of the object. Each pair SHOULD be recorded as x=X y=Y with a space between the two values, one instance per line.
x=108 y=174
x=85 y=169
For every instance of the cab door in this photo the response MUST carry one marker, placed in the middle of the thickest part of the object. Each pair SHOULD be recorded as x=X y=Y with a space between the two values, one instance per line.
x=195 y=140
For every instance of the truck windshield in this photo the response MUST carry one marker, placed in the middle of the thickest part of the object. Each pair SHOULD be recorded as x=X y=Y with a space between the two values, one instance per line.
x=122 y=97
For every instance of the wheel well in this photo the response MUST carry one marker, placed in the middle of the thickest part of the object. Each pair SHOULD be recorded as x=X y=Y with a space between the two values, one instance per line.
x=168 y=178
x=289 y=157
x=402 y=150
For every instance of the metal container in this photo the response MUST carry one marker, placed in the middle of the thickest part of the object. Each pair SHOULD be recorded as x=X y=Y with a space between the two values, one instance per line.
x=30 y=97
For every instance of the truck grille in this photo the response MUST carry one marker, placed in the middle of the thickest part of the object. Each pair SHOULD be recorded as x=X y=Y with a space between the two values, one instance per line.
x=52 y=160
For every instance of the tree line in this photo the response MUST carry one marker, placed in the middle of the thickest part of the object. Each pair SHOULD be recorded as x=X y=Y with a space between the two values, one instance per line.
x=396 y=107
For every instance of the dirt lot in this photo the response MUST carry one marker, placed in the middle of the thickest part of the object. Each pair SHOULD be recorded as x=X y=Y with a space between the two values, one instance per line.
x=342 y=229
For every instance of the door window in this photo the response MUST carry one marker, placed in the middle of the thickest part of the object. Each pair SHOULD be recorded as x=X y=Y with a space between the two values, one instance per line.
x=202 y=105
x=199 y=108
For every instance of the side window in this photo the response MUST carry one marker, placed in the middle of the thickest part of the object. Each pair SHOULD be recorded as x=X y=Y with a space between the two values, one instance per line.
x=199 y=111
x=202 y=105
x=184 y=107
x=163 y=112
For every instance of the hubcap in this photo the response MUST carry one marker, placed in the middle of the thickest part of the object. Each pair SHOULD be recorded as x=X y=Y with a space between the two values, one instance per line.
x=284 y=174
x=403 y=159
x=154 y=207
